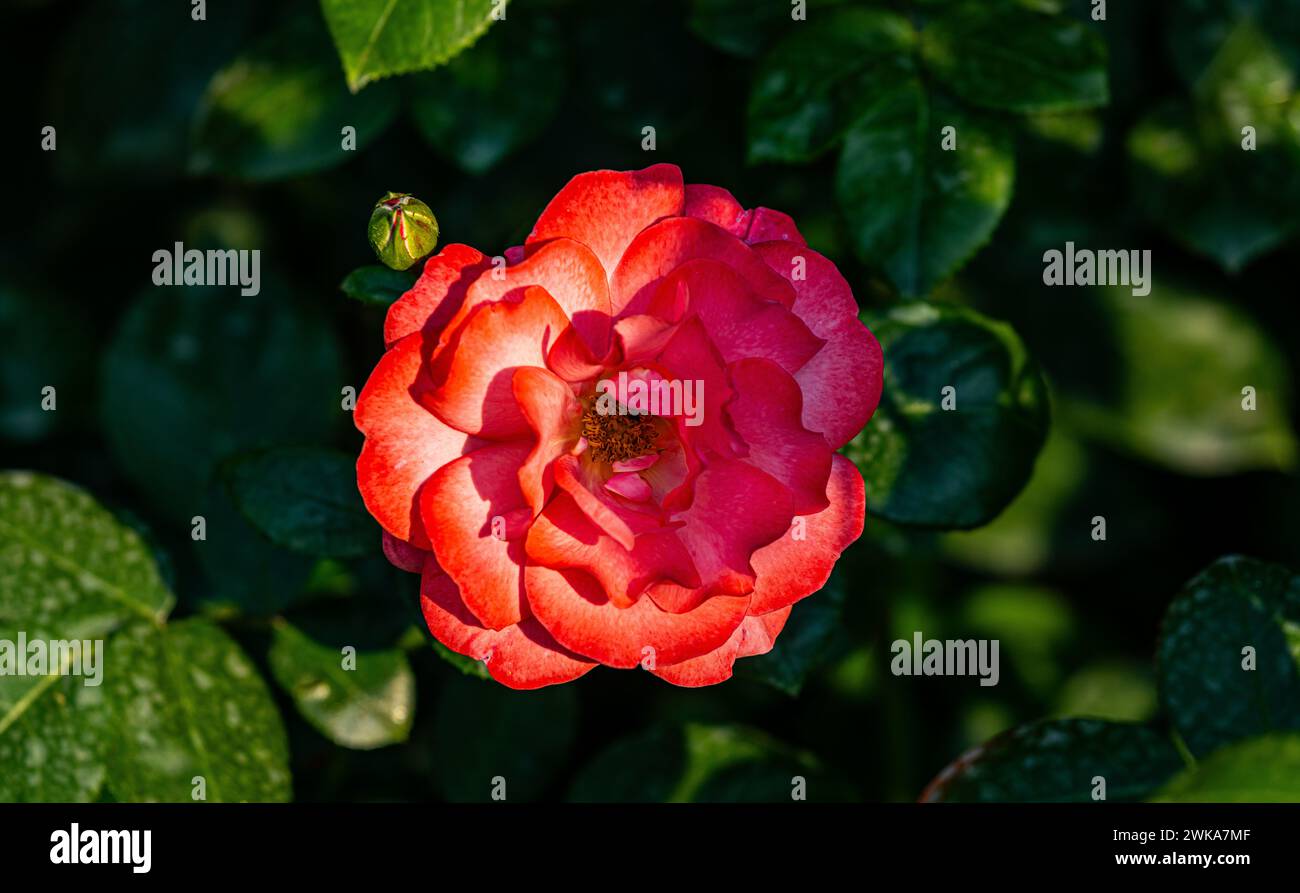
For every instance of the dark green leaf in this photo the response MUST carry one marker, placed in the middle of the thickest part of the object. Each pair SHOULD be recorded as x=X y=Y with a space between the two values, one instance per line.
x=935 y=467
x=703 y=763
x=486 y=104
x=116 y=118
x=366 y=706
x=490 y=739
x=1199 y=28
x=644 y=768
x=68 y=568
x=744 y=28
x=914 y=210
x=55 y=734
x=378 y=38
x=1194 y=175
x=305 y=499
x=1183 y=404
x=196 y=374
x=280 y=109
x=1214 y=691
x=1005 y=57
x=805 y=642
x=47 y=344
x=1261 y=770
x=1056 y=761
x=821 y=78
x=190 y=705
x=378 y=285
x=245 y=572
x=466 y=665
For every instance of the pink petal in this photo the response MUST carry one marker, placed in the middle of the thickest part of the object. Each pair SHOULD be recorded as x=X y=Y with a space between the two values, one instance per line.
x=605 y=210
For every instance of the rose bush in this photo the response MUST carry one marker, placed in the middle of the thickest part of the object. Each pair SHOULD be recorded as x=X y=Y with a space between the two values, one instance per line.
x=553 y=536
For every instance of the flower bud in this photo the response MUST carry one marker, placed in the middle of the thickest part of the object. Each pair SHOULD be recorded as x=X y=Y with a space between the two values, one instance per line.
x=402 y=230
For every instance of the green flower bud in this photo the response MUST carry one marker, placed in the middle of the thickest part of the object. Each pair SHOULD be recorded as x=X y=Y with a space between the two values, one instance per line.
x=402 y=230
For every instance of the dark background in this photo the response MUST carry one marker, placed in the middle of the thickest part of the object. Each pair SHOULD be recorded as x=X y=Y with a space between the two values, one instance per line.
x=1077 y=620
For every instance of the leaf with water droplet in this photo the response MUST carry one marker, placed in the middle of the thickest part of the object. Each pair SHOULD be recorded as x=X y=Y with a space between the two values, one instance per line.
x=369 y=706
x=188 y=703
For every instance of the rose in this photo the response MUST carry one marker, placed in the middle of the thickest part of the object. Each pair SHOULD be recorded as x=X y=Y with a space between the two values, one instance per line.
x=555 y=531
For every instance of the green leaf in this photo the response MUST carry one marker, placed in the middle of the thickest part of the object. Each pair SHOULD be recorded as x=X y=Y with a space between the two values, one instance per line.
x=702 y=763
x=1007 y=58
x=245 y=572
x=804 y=643
x=914 y=210
x=47 y=344
x=189 y=704
x=194 y=375
x=744 y=28
x=1198 y=30
x=1123 y=691
x=1212 y=690
x=487 y=104
x=1055 y=761
x=68 y=568
x=643 y=768
x=1194 y=177
x=54 y=737
x=1182 y=403
x=484 y=732
x=819 y=80
x=118 y=119
x=368 y=706
x=1022 y=539
x=304 y=499
x=280 y=109
x=378 y=38
x=928 y=466
x=378 y=285
x=1261 y=770
x=466 y=665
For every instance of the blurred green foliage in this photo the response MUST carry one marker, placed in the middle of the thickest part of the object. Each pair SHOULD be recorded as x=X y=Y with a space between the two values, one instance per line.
x=1125 y=133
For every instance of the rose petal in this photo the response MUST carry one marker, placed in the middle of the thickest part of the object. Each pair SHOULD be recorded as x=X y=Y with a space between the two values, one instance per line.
x=717 y=206
x=564 y=537
x=666 y=245
x=523 y=656
x=570 y=274
x=791 y=568
x=765 y=412
x=755 y=635
x=403 y=555
x=737 y=509
x=766 y=225
x=472 y=372
x=554 y=414
x=604 y=210
x=574 y=609
x=841 y=384
x=436 y=296
x=739 y=323
x=405 y=442
x=629 y=485
x=464 y=505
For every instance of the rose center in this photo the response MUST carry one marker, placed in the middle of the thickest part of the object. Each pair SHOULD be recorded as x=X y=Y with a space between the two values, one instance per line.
x=615 y=437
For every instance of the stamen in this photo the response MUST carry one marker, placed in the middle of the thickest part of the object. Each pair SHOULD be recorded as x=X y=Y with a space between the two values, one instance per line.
x=616 y=438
